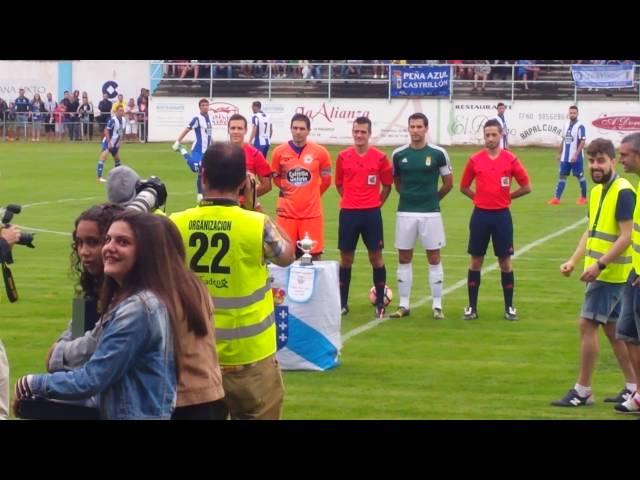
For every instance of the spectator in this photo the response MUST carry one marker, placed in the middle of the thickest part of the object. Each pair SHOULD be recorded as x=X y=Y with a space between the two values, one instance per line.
x=104 y=107
x=37 y=109
x=59 y=120
x=49 y=125
x=72 y=114
x=133 y=368
x=191 y=67
x=119 y=103
x=527 y=70
x=480 y=72
x=22 y=107
x=143 y=108
x=85 y=112
x=3 y=115
x=351 y=68
x=227 y=67
x=131 y=129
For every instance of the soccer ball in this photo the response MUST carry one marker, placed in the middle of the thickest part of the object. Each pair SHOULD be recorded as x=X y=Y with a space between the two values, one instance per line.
x=388 y=295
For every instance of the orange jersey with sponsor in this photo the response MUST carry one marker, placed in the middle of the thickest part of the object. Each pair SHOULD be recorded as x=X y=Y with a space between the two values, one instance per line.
x=299 y=174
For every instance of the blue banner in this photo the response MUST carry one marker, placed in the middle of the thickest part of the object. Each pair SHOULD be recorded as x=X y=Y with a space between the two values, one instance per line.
x=603 y=76
x=419 y=81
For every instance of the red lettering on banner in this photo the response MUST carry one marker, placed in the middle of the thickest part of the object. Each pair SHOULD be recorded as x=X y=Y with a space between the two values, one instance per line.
x=332 y=112
x=618 y=122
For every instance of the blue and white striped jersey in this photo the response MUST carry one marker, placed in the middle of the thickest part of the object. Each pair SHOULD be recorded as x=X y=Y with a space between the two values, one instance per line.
x=115 y=126
x=201 y=126
x=263 y=123
x=572 y=133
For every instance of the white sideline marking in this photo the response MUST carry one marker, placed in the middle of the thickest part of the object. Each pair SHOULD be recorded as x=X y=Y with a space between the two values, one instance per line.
x=374 y=323
x=65 y=200
x=33 y=229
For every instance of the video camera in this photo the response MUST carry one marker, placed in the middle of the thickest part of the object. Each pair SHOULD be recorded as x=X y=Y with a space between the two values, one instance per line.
x=6 y=258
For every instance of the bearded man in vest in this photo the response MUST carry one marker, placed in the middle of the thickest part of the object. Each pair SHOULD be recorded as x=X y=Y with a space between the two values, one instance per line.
x=228 y=248
x=606 y=248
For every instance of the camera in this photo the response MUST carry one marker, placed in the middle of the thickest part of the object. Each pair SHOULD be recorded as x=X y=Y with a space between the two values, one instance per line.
x=151 y=195
x=6 y=258
x=26 y=238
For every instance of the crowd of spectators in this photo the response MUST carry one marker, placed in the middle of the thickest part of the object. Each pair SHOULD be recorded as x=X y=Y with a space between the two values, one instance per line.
x=472 y=70
x=74 y=115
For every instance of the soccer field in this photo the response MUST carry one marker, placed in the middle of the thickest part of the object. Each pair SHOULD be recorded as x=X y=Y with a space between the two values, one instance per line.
x=414 y=368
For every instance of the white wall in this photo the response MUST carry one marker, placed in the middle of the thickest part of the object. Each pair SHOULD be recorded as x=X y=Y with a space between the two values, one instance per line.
x=33 y=76
x=91 y=75
x=331 y=121
x=450 y=123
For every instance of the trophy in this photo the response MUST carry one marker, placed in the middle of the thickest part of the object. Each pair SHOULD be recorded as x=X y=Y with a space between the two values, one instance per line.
x=306 y=245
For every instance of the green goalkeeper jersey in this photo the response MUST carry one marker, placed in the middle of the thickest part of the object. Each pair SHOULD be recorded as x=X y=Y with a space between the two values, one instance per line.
x=419 y=171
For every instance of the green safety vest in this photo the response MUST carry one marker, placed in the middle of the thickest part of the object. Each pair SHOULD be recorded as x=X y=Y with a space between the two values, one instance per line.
x=604 y=231
x=225 y=249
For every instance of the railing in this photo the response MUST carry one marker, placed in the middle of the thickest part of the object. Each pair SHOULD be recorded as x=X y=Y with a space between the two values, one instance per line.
x=503 y=80
x=16 y=126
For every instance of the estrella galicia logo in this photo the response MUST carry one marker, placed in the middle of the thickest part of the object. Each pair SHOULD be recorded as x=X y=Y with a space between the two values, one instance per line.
x=110 y=88
x=298 y=177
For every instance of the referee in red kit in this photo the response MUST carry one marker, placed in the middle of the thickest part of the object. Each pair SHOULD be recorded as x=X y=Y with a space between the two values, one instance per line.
x=363 y=179
x=492 y=168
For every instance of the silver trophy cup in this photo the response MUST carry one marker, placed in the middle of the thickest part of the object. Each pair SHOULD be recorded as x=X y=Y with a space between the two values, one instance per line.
x=306 y=245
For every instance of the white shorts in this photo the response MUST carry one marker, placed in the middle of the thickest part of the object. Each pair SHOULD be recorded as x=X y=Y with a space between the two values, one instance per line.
x=429 y=229
x=131 y=127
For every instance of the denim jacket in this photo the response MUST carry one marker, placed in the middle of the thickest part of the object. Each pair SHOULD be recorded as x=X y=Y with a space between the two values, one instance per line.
x=70 y=353
x=133 y=368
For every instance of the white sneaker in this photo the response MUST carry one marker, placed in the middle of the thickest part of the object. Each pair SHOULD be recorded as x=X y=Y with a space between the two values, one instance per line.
x=629 y=406
x=101 y=179
x=199 y=197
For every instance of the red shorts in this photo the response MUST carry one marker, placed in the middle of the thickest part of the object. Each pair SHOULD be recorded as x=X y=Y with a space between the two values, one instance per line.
x=296 y=229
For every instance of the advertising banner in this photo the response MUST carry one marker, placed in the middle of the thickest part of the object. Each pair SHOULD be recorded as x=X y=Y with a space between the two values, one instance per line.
x=420 y=81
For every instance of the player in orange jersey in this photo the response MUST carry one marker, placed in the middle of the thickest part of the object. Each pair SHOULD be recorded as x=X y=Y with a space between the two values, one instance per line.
x=302 y=172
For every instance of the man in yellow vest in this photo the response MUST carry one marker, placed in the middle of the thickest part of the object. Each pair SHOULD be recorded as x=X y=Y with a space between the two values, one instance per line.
x=628 y=328
x=606 y=248
x=227 y=247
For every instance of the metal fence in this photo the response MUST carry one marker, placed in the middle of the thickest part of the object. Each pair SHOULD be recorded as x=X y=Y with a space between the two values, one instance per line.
x=23 y=127
x=503 y=80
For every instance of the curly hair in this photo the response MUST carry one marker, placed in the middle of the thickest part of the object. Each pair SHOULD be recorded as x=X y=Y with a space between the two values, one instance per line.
x=88 y=285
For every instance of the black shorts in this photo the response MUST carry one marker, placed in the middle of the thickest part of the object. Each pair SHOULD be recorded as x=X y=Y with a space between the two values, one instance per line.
x=367 y=222
x=49 y=127
x=490 y=224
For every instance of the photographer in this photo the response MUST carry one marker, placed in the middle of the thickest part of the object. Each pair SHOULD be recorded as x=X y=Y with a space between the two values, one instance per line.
x=126 y=188
x=8 y=237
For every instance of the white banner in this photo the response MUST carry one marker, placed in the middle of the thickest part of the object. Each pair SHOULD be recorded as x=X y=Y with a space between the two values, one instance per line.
x=112 y=76
x=612 y=120
x=450 y=123
x=34 y=76
x=529 y=123
x=331 y=120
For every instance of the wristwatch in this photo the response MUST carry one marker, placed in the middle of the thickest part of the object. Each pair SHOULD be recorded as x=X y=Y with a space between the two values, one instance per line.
x=601 y=265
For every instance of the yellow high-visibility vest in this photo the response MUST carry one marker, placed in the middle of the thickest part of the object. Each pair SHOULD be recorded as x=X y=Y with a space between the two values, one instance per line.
x=225 y=249
x=604 y=231
x=635 y=235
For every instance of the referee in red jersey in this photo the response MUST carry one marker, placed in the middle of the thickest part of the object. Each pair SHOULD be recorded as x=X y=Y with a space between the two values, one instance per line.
x=492 y=168
x=360 y=172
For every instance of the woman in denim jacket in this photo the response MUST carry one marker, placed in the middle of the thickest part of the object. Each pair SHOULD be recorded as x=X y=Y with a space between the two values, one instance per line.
x=200 y=391
x=133 y=368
